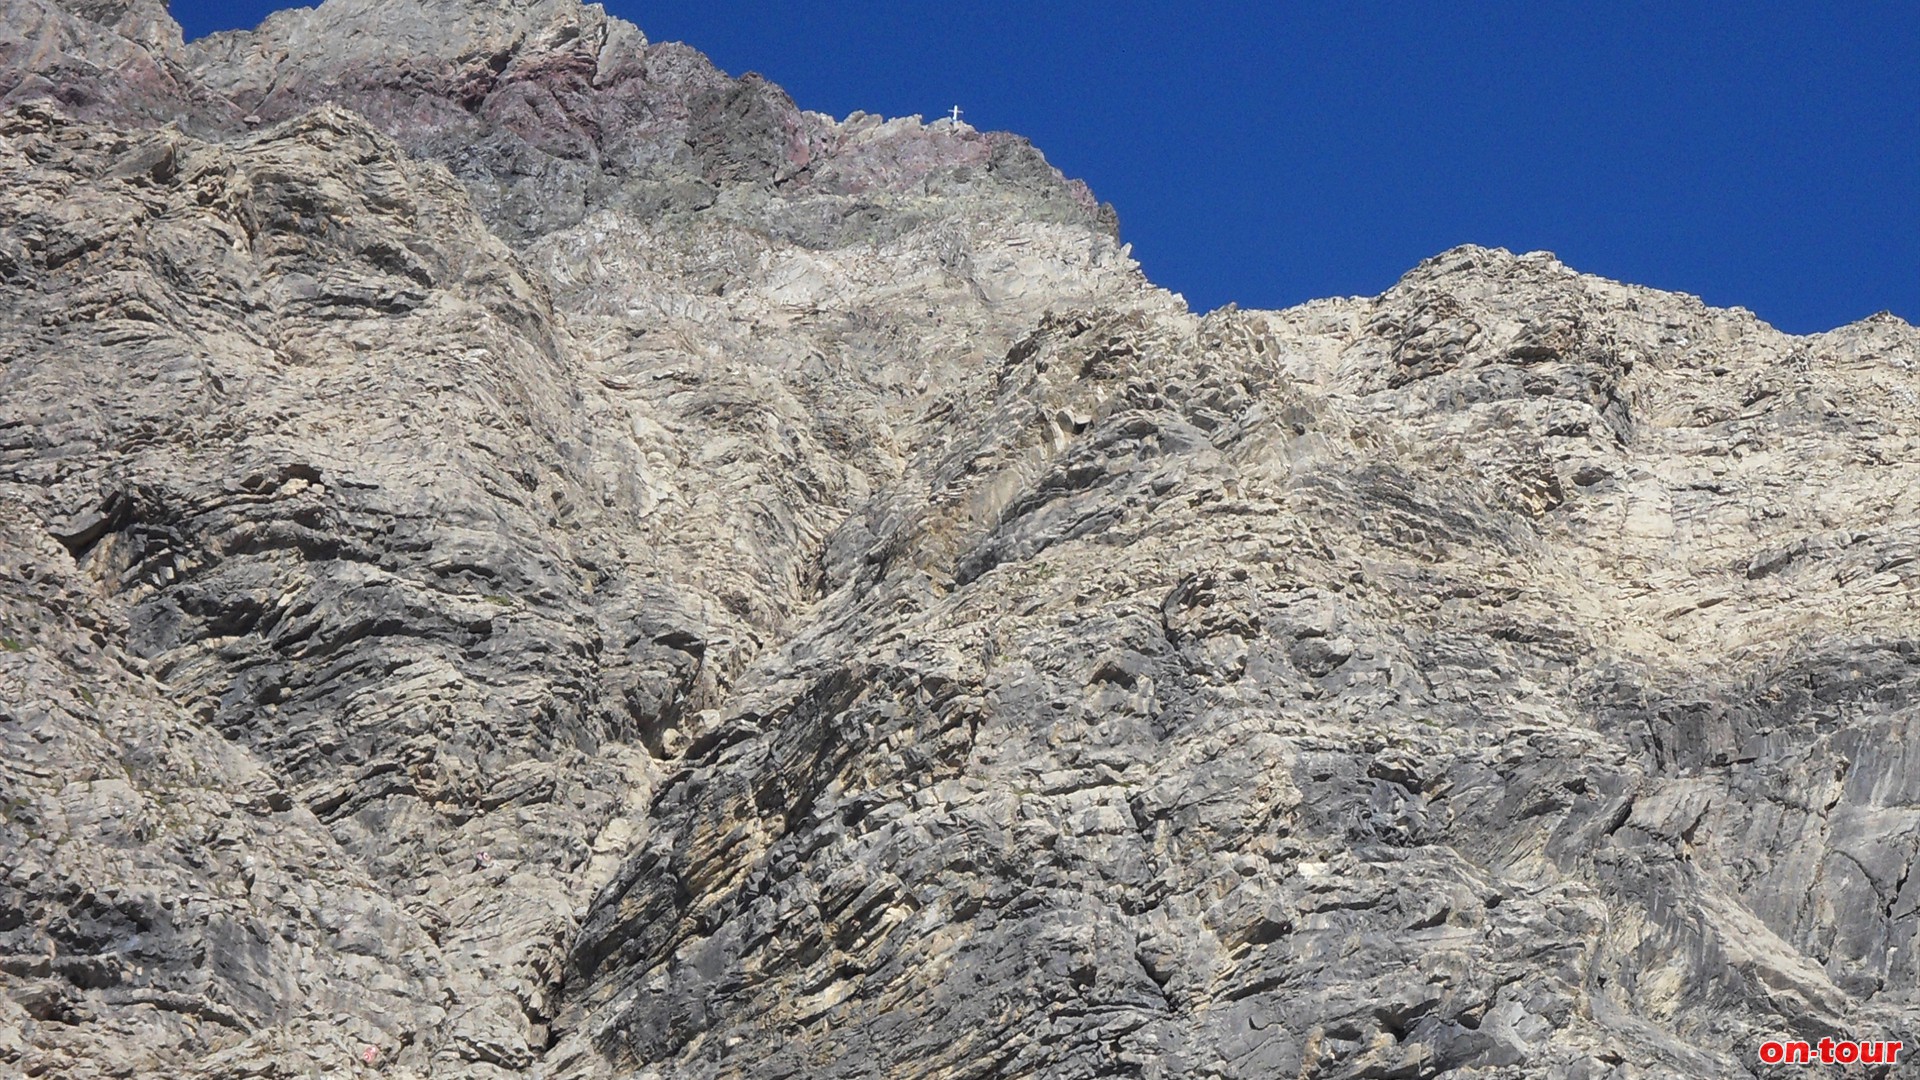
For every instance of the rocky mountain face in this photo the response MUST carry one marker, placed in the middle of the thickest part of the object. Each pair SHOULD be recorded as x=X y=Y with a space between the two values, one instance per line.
x=524 y=555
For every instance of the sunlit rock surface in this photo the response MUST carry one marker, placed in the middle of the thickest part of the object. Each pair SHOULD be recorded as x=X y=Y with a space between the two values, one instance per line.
x=526 y=556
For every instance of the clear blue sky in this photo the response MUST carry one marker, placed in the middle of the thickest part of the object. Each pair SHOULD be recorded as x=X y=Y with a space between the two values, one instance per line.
x=1764 y=155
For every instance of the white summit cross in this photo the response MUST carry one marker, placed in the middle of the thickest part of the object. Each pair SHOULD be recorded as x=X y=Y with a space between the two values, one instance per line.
x=956 y=115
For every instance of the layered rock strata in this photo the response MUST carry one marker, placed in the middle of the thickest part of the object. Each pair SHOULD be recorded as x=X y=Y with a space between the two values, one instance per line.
x=526 y=555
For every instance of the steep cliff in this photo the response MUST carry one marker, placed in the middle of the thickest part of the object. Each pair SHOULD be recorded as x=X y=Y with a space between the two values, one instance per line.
x=526 y=555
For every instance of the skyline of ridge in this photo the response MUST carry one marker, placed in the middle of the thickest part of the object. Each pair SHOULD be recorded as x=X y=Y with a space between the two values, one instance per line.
x=1757 y=163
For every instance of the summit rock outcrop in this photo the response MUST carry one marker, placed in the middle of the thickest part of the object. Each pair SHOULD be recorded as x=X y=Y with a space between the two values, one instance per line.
x=525 y=555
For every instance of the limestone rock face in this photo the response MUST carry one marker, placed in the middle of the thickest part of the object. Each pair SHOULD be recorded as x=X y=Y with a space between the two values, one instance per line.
x=525 y=555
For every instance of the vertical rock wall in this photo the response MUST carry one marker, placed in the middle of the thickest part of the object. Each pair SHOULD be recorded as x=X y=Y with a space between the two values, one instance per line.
x=526 y=555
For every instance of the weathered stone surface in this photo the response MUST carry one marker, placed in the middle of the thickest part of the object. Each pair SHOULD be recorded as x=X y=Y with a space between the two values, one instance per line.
x=525 y=555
